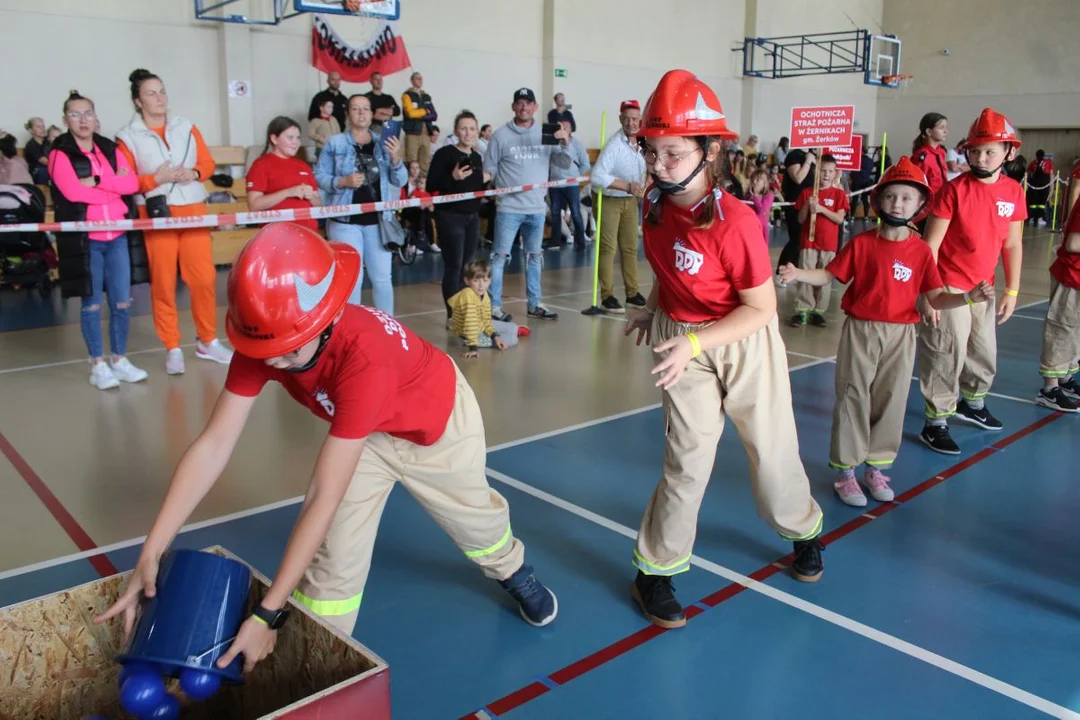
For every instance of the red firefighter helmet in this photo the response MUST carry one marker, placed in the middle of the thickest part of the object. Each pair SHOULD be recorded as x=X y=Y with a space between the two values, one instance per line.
x=286 y=286
x=906 y=172
x=991 y=126
x=683 y=105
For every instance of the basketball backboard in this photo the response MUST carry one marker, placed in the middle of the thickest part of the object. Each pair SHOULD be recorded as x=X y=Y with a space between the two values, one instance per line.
x=882 y=58
x=386 y=9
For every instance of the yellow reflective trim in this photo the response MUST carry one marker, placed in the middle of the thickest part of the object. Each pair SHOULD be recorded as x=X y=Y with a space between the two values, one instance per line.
x=329 y=607
x=489 y=550
x=933 y=415
x=810 y=535
x=676 y=567
x=879 y=463
x=838 y=466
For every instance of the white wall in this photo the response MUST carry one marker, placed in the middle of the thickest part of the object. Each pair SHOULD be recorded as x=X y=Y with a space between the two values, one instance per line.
x=1021 y=59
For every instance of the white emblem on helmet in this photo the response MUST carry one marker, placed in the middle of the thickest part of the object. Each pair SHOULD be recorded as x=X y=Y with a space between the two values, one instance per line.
x=309 y=296
x=702 y=111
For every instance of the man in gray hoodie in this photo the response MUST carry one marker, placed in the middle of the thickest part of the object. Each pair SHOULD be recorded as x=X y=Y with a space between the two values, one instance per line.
x=518 y=154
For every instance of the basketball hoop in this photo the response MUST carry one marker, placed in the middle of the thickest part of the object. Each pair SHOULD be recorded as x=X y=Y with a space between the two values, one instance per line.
x=897 y=81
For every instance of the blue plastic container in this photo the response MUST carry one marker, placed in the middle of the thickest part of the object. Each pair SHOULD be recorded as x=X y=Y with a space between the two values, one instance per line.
x=200 y=604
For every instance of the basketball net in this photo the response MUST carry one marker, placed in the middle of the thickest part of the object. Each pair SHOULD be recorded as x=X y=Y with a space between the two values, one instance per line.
x=897 y=82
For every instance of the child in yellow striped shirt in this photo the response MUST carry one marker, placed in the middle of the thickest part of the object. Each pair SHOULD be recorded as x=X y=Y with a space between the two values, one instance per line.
x=471 y=319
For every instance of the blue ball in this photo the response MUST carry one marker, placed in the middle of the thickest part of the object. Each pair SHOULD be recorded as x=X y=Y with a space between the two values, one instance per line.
x=142 y=692
x=199 y=684
x=169 y=709
x=136 y=666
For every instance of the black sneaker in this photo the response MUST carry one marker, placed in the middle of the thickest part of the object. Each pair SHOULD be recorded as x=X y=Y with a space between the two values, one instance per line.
x=938 y=439
x=1057 y=399
x=798 y=320
x=542 y=313
x=1070 y=386
x=980 y=417
x=637 y=300
x=500 y=315
x=807 y=565
x=817 y=320
x=655 y=595
x=536 y=603
x=611 y=305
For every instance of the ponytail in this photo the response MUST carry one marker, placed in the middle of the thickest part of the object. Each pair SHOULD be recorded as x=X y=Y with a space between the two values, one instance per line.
x=929 y=120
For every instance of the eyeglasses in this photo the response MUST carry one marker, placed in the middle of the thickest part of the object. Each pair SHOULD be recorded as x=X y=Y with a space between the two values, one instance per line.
x=88 y=115
x=669 y=160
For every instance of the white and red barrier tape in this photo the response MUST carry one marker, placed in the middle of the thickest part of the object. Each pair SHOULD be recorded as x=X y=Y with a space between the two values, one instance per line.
x=256 y=217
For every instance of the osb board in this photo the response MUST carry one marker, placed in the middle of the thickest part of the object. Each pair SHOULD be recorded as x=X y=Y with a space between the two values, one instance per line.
x=56 y=664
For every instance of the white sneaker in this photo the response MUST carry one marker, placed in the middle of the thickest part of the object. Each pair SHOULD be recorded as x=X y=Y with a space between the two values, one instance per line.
x=174 y=362
x=126 y=372
x=102 y=377
x=214 y=351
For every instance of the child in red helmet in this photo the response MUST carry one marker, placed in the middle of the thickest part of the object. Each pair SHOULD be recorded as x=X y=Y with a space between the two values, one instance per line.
x=711 y=317
x=888 y=268
x=398 y=409
x=975 y=219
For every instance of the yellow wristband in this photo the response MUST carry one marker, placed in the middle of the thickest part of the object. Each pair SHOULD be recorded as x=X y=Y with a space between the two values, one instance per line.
x=968 y=300
x=259 y=619
x=694 y=343
x=1014 y=293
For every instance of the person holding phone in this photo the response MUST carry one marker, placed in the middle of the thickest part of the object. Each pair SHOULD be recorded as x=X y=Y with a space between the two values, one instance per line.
x=457 y=169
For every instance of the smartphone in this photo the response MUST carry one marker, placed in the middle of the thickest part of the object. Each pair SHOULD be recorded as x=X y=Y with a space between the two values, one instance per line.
x=547 y=133
x=464 y=162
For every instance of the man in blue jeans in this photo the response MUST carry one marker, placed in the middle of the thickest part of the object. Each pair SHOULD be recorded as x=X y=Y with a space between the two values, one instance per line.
x=519 y=154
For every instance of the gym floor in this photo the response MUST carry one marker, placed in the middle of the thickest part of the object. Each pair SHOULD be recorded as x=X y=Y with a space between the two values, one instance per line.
x=957 y=600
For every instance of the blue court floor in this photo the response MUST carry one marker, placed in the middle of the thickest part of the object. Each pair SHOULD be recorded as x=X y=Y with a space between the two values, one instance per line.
x=959 y=601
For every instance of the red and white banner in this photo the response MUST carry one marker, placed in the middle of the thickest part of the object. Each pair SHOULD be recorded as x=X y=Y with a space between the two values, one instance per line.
x=385 y=53
x=814 y=127
x=847 y=158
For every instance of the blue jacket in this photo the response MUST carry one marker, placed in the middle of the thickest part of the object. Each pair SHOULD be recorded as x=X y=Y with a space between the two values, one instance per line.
x=338 y=160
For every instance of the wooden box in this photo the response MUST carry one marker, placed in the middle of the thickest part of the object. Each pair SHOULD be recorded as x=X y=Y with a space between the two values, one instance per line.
x=56 y=664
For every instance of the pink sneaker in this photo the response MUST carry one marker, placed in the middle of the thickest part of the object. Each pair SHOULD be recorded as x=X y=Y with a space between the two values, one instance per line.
x=878 y=485
x=847 y=488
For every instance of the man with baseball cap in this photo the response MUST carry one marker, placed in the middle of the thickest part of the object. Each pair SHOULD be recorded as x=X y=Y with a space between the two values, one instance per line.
x=620 y=173
x=519 y=154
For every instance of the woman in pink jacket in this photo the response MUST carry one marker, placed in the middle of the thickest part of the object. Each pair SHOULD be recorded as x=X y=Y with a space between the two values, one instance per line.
x=92 y=181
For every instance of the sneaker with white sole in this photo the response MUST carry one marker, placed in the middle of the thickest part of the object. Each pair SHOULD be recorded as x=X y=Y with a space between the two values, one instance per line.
x=174 y=362
x=878 y=485
x=213 y=350
x=1057 y=399
x=848 y=490
x=102 y=377
x=126 y=372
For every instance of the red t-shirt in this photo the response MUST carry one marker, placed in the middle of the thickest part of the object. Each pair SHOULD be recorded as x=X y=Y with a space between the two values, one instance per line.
x=932 y=161
x=826 y=232
x=373 y=376
x=1066 y=268
x=886 y=277
x=702 y=270
x=272 y=173
x=979 y=216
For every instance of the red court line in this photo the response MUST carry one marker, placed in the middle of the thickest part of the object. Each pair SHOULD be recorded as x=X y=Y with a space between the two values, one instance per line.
x=69 y=524
x=560 y=677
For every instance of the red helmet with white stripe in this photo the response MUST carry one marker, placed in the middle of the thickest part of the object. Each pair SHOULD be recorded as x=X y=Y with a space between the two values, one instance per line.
x=991 y=126
x=285 y=288
x=682 y=105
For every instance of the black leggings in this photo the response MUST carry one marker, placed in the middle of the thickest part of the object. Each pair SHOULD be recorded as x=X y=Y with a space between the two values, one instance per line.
x=790 y=253
x=459 y=235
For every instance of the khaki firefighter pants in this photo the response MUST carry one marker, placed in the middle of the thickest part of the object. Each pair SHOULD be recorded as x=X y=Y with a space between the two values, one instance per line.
x=1061 y=333
x=447 y=479
x=959 y=356
x=748 y=382
x=619 y=231
x=874 y=363
x=808 y=298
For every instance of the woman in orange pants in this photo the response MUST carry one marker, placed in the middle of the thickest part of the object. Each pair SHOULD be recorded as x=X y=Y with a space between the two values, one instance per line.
x=172 y=161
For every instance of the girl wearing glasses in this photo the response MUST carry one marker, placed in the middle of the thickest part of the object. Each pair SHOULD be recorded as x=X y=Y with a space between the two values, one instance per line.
x=711 y=317
x=92 y=181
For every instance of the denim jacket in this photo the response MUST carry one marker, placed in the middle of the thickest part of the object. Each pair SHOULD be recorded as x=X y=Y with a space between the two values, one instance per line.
x=338 y=160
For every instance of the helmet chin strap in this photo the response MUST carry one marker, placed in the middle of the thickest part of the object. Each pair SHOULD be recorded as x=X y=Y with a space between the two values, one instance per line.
x=896 y=220
x=324 y=338
x=670 y=188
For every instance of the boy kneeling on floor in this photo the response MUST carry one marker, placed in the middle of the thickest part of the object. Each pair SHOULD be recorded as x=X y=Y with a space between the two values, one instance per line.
x=471 y=320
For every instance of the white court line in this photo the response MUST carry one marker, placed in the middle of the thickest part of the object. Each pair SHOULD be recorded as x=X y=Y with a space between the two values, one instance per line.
x=61 y=363
x=45 y=564
x=1028 y=317
x=915 y=378
x=810 y=357
x=943 y=663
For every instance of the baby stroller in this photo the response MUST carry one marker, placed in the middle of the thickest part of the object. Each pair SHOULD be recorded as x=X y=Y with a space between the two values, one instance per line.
x=26 y=258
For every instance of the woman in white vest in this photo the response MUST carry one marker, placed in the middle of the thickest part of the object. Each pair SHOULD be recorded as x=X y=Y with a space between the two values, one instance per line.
x=172 y=162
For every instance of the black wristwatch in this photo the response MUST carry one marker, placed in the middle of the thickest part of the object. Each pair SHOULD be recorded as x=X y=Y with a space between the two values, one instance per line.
x=274 y=619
